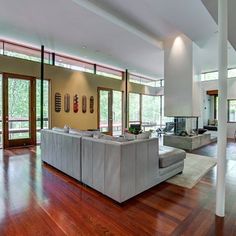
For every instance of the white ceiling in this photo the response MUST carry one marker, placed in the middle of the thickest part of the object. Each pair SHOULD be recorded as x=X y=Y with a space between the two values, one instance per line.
x=212 y=7
x=124 y=34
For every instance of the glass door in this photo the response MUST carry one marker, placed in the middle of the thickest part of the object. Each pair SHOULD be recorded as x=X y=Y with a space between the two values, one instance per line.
x=105 y=111
x=110 y=111
x=116 y=113
x=18 y=111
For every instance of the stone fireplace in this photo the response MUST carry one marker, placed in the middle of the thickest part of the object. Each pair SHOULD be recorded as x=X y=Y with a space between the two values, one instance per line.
x=186 y=135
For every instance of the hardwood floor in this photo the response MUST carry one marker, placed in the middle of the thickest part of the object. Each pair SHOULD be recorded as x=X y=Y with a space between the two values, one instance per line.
x=35 y=199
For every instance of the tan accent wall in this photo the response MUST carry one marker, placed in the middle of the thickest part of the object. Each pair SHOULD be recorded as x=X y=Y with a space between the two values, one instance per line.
x=73 y=82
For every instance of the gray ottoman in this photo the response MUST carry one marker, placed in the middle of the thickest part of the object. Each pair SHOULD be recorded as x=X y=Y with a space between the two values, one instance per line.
x=169 y=156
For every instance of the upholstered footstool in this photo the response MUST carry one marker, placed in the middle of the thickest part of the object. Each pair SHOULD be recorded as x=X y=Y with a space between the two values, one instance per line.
x=169 y=156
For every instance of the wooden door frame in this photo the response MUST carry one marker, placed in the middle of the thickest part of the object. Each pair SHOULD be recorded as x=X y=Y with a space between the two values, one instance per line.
x=110 y=121
x=32 y=112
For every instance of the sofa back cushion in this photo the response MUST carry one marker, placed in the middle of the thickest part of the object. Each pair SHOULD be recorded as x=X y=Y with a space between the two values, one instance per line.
x=62 y=130
x=81 y=133
x=129 y=136
x=144 y=135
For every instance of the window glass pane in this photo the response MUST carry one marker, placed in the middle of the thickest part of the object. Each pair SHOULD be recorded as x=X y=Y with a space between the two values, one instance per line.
x=1 y=47
x=214 y=75
x=209 y=76
x=117 y=113
x=111 y=73
x=216 y=108
x=145 y=81
x=26 y=53
x=134 y=108
x=232 y=110
x=0 y=110
x=73 y=64
x=231 y=73
x=104 y=110
x=45 y=106
x=150 y=112
x=165 y=119
x=18 y=108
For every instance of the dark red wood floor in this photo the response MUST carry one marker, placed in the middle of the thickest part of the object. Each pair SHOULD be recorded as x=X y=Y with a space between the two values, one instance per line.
x=36 y=199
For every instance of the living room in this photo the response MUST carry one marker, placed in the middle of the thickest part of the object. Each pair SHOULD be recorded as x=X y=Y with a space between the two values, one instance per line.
x=121 y=128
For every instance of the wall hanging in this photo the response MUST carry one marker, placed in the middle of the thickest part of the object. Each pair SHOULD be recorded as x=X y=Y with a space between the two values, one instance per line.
x=91 y=104
x=84 y=104
x=76 y=103
x=57 y=102
x=67 y=102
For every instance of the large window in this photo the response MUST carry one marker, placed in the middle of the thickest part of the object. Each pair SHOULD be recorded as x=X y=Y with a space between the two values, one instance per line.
x=17 y=50
x=108 y=72
x=164 y=119
x=209 y=76
x=1 y=110
x=1 y=47
x=134 y=108
x=231 y=73
x=45 y=106
x=151 y=112
x=214 y=75
x=145 y=81
x=232 y=110
x=23 y=52
x=73 y=64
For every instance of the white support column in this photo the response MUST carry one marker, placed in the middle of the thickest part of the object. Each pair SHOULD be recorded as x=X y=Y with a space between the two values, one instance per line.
x=222 y=115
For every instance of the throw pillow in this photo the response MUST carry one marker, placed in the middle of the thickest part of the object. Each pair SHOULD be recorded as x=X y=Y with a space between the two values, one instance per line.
x=144 y=135
x=129 y=136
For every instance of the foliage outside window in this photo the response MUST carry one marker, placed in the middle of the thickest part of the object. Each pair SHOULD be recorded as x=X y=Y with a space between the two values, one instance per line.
x=164 y=119
x=151 y=112
x=104 y=110
x=134 y=108
x=116 y=113
x=45 y=106
x=232 y=110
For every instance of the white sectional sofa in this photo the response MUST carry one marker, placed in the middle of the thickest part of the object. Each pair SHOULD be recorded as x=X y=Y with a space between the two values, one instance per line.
x=62 y=151
x=119 y=170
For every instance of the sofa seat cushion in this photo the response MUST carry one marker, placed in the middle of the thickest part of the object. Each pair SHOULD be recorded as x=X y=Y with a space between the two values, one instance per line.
x=169 y=156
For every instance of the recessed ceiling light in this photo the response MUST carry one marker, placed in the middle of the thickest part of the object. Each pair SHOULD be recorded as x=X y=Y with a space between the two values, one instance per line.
x=84 y=46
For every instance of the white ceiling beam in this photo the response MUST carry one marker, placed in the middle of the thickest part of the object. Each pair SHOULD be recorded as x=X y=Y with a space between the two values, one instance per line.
x=119 y=22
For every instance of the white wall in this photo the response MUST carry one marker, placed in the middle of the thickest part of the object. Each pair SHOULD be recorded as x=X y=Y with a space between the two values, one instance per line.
x=205 y=106
x=181 y=85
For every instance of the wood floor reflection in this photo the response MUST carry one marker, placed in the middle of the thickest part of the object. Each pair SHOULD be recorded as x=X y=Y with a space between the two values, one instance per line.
x=35 y=199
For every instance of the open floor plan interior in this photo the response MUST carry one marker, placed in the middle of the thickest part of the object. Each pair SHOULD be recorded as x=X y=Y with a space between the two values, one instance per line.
x=117 y=117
